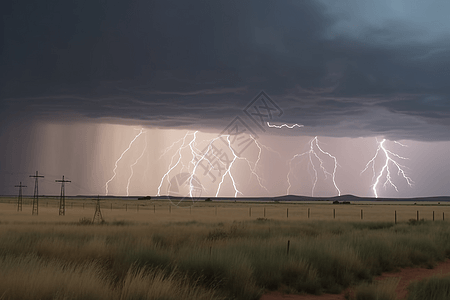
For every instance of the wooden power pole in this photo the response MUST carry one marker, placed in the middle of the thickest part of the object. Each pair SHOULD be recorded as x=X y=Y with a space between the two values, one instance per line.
x=98 y=213
x=62 y=199
x=19 y=199
x=35 y=210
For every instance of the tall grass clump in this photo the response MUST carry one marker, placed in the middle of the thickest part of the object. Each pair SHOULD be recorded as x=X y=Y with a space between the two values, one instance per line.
x=31 y=277
x=433 y=288
x=155 y=284
x=338 y=265
x=221 y=268
x=381 y=290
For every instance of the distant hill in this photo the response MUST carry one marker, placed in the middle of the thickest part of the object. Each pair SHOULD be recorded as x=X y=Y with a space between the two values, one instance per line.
x=296 y=198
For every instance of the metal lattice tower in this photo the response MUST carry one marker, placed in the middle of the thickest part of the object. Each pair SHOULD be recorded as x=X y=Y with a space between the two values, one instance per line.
x=62 y=199
x=36 y=194
x=98 y=213
x=19 y=199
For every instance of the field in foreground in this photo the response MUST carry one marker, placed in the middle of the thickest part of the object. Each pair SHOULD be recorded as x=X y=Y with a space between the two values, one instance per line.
x=216 y=256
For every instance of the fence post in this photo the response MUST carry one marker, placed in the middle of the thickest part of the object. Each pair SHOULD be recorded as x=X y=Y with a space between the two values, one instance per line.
x=83 y=205
x=334 y=213
x=288 y=245
x=309 y=213
x=215 y=211
x=249 y=211
x=287 y=212
x=264 y=212
x=433 y=215
x=154 y=208
x=417 y=216
x=443 y=217
x=395 y=217
x=362 y=214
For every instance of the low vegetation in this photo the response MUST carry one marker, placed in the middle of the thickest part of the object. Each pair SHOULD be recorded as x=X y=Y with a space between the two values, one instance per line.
x=380 y=290
x=194 y=260
x=434 y=288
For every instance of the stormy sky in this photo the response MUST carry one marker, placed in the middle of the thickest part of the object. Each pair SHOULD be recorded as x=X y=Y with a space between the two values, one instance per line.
x=81 y=74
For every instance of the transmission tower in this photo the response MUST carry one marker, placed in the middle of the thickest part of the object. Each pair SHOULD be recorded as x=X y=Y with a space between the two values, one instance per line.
x=62 y=199
x=19 y=199
x=98 y=213
x=36 y=194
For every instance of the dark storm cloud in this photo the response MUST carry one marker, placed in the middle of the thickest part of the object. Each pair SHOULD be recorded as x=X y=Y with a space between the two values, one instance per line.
x=199 y=63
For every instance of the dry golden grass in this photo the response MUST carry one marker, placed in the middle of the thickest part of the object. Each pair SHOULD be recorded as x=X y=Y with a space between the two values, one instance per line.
x=210 y=251
x=149 y=211
x=141 y=283
x=30 y=277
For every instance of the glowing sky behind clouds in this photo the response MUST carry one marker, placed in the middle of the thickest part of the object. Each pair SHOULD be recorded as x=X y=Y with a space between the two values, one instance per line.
x=86 y=153
x=78 y=76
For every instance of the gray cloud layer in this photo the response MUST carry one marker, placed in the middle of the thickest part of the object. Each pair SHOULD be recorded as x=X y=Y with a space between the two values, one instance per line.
x=339 y=72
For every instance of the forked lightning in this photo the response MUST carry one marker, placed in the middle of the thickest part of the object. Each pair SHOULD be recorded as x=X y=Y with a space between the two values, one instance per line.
x=199 y=157
x=312 y=153
x=386 y=169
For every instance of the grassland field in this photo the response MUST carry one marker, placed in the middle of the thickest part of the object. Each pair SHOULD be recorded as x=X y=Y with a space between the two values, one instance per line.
x=165 y=210
x=213 y=250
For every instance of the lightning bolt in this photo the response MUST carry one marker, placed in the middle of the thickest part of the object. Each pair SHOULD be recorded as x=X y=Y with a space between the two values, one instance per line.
x=333 y=175
x=312 y=153
x=199 y=159
x=173 y=165
x=236 y=191
x=118 y=160
x=389 y=159
x=255 y=165
x=398 y=143
x=249 y=163
x=173 y=145
x=135 y=163
x=202 y=156
x=283 y=125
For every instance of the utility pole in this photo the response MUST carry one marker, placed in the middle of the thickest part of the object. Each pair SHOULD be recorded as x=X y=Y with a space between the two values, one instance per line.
x=98 y=214
x=19 y=199
x=62 y=199
x=36 y=194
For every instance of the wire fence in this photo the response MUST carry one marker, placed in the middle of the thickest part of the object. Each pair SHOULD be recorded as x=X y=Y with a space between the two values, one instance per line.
x=238 y=211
